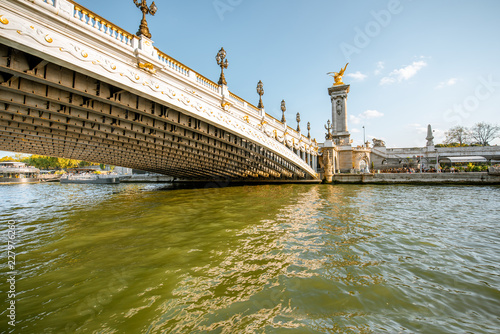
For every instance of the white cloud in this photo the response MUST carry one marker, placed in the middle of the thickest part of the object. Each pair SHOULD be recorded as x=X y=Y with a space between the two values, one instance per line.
x=447 y=83
x=355 y=131
x=404 y=73
x=354 y=120
x=380 y=67
x=372 y=114
x=368 y=114
x=357 y=76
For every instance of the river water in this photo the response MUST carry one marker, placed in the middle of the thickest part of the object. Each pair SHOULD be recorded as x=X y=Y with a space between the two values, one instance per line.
x=256 y=259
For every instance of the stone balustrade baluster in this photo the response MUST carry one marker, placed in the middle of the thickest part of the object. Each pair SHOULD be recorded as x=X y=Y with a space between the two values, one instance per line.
x=83 y=18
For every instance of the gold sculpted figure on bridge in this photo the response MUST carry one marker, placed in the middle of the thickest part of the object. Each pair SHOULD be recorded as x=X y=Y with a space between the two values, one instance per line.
x=338 y=76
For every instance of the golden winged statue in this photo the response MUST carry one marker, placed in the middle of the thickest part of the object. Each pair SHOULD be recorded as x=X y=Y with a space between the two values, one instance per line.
x=338 y=76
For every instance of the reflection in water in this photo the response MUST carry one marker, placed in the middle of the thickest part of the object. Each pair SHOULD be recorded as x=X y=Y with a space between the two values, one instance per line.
x=261 y=259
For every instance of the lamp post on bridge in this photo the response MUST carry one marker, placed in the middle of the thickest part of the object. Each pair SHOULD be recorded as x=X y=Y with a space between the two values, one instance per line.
x=223 y=63
x=143 y=28
x=260 y=91
x=283 y=109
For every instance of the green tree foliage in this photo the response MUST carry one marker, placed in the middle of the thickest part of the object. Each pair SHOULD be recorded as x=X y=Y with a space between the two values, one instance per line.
x=44 y=162
x=18 y=157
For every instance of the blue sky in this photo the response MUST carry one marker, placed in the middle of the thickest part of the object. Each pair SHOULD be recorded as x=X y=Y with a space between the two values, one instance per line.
x=412 y=63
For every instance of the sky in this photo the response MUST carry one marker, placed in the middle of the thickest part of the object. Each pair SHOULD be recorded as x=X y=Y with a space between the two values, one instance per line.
x=411 y=62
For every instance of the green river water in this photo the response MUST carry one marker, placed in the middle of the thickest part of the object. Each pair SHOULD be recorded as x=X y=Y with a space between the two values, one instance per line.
x=149 y=258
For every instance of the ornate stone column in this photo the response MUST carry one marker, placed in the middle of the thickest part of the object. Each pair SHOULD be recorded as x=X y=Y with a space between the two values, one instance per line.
x=338 y=96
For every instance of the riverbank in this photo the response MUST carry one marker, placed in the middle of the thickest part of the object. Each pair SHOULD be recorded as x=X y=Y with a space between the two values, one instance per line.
x=418 y=178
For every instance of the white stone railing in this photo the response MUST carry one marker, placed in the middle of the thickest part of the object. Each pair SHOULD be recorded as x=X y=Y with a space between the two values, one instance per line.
x=173 y=64
x=207 y=83
x=95 y=22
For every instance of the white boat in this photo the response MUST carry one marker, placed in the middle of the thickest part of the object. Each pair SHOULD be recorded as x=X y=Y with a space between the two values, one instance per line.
x=18 y=172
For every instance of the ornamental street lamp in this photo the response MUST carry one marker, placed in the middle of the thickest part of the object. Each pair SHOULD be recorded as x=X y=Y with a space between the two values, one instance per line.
x=298 y=122
x=309 y=130
x=143 y=28
x=260 y=91
x=223 y=63
x=283 y=109
x=329 y=128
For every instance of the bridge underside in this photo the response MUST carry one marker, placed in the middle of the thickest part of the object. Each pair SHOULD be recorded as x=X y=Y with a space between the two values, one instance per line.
x=51 y=110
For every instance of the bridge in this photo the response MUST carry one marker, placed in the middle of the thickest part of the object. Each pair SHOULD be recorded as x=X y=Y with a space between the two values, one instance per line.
x=75 y=85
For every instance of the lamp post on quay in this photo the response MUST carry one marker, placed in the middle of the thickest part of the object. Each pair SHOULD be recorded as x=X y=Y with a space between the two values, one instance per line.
x=364 y=137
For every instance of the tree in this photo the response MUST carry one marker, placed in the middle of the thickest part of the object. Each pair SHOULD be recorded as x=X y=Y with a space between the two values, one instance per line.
x=483 y=133
x=43 y=162
x=67 y=163
x=458 y=134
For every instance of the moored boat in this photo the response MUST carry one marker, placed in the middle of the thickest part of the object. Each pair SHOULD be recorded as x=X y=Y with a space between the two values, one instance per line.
x=12 y=172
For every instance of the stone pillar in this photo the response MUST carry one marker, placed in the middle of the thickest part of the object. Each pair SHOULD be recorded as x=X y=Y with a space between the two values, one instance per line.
x=329 y=159
x=338 y=96
x=430 y=137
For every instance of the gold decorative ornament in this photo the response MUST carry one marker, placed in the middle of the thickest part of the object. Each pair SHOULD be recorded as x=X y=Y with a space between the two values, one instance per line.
x=225 y=105
x=246 y=119
x=337 y=76
x=84 y=54
x=48 y=39
x=3 y=20
x=148 y=67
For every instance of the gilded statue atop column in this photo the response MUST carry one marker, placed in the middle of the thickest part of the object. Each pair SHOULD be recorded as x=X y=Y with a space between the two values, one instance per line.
x=337 y=76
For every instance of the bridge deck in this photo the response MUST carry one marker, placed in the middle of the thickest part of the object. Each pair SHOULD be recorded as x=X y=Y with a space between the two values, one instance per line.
x=131 y=105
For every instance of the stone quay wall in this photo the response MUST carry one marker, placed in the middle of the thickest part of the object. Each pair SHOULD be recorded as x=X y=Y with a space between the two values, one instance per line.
x=419 y=178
